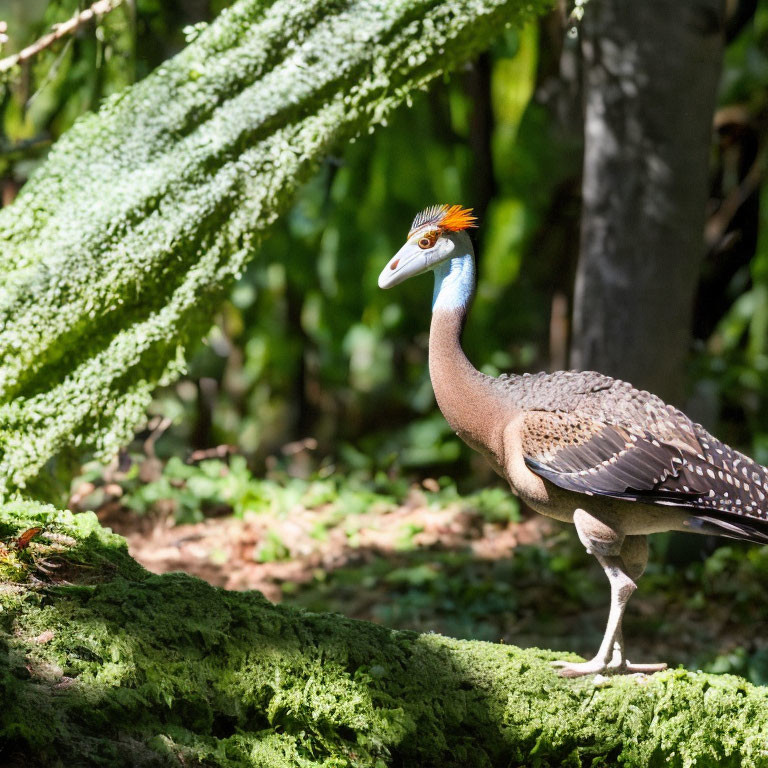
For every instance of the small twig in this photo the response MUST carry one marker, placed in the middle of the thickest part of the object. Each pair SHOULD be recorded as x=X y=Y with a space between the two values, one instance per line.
x=99 y=8
x=158 y=428
x=52 y=72
x=47 y=569
x=719 y=221
x=219 y=452
x=24 y=148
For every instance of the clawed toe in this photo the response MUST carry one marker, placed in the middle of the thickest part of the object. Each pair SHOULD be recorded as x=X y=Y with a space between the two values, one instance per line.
x=579 y=668
x=646 y=669
x=597 y=666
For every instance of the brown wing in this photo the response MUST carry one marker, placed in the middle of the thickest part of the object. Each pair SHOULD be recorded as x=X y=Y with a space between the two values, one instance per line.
x=725 y=490
x=592 y=457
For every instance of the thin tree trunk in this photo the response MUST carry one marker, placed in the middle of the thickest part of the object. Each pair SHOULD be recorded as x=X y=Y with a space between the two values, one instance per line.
x=478 y=85
x=651 y=72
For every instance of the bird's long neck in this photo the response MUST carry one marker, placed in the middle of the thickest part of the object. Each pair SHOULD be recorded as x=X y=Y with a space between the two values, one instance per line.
x=467 y=398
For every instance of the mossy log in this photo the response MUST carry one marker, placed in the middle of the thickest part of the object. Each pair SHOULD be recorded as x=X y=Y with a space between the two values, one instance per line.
x=118 y=250
x=121 y=667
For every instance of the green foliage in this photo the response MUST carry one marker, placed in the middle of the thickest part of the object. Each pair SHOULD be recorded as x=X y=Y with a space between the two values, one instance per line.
x=316 y=348
x=213 y=485
x=165 y=670
x=435 y=560
x=735 y=362
x=118 y=250
x=60 y=83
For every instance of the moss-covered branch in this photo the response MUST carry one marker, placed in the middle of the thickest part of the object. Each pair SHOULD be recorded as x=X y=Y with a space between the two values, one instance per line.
x=125 y=668
x=117 y=251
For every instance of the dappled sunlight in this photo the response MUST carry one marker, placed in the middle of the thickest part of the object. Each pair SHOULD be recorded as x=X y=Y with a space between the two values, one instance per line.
x=258 y=512
x=170 y=666
x=423 y=557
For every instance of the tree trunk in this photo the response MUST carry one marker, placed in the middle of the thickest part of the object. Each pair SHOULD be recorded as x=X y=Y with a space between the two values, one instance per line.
x=118 y=250
x=651 y=72
x=122 y=668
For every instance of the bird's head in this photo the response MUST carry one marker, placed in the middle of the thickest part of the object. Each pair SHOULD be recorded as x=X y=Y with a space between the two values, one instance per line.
x=435 y=236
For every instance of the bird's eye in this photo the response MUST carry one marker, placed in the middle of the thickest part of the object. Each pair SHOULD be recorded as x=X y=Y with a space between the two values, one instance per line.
x=426 y=242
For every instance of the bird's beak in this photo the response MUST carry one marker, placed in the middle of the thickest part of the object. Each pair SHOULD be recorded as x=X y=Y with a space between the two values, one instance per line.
x=410 y=260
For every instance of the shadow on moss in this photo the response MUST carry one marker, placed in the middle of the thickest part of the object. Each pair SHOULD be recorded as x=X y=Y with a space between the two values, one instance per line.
x=135 y=669
x=169 y=670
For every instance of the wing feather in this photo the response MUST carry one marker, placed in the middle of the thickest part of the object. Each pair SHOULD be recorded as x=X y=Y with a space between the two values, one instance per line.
x=592 y=457
x=591 y=434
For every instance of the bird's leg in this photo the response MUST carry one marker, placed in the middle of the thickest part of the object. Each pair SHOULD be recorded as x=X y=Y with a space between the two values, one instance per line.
x=633 y=559
x=619 y=556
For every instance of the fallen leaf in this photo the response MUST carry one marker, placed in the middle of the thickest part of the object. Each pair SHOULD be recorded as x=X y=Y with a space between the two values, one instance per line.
x=23 y=541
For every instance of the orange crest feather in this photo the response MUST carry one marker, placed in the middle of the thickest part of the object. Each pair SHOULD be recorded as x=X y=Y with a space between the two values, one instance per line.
x=453 y=218
x=457 y=218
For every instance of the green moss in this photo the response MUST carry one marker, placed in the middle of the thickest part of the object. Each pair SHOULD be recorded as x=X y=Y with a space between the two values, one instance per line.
x=89 y=552
x=118 y=250
x=137 y=669
x=114 y=256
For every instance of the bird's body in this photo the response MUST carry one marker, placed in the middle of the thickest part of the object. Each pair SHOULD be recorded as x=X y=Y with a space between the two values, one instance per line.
x=580 y=447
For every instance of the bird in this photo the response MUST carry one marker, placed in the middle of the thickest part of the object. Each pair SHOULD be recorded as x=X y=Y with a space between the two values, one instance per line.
x=578 y=446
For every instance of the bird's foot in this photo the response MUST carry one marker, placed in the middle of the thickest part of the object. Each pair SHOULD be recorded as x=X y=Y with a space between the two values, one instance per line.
x=600 y=666
x=580 y=668
x=628 y=668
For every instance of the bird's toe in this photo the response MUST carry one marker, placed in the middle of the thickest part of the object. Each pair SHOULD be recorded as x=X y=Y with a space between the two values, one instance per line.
x=579 y=668
x=645 y=669
x=598 y=666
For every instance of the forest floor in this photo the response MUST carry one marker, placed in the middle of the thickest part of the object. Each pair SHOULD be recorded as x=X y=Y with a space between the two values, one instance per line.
x=429 y=560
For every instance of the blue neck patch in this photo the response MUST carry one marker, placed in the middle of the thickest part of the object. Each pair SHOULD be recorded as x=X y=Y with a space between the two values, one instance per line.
x=454 y=283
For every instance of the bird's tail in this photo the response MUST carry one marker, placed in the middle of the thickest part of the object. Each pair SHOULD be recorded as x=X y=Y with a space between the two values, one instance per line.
x=731 y=526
